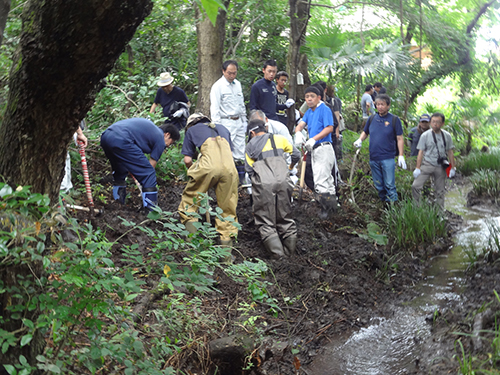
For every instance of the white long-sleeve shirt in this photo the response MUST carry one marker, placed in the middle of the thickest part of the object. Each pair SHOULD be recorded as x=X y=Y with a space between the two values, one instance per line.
x=226 y=100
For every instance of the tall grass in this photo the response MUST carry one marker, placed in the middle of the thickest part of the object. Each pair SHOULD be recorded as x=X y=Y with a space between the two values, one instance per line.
x=410 y=224
x=486 y=182
x=480 y=160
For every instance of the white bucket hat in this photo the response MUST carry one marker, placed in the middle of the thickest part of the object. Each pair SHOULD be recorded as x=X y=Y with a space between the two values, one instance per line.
x=165 y=79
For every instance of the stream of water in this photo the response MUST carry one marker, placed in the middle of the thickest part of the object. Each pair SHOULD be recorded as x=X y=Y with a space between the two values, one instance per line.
x=390 y=345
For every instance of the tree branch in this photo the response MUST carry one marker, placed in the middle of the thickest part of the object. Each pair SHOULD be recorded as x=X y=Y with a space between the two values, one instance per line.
x=124 y=93
x=483 y=10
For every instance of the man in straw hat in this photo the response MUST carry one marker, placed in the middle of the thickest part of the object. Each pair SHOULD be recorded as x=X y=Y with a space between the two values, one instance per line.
x=173 y=100
x=213 y=169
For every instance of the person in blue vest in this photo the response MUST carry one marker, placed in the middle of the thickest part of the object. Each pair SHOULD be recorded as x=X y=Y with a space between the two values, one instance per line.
x=173 y=100
x=263 y=93
x=386 y=141
x=125 y=143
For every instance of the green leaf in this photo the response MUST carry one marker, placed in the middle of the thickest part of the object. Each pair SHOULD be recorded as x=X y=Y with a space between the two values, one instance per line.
x=5 y=190
x=53 y=368
x=139 y=348
x=211 y=8
x=10 y=369
x=26 y=339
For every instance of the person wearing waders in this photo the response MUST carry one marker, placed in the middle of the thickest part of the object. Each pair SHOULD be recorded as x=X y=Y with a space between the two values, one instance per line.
x=213 y=169
x=320 y=154
x=125 y=143
x=272 y=188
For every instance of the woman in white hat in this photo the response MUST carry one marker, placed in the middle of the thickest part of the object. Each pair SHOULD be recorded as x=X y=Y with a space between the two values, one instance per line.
x=173 y=100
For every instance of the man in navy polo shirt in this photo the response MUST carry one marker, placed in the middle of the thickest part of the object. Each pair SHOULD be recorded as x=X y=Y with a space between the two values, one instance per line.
x=321 y=158
x=385 y=142
x=125 y=143
x=264 y=92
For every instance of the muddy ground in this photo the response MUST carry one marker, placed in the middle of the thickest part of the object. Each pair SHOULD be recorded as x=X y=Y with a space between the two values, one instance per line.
x=333 y=285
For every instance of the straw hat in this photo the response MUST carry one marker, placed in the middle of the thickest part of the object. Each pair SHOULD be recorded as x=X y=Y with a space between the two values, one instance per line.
x=165 y=79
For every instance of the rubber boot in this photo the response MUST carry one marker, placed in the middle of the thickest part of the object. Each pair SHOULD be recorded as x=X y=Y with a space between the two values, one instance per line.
x=328 y=203
x=290 y=245
x=120 y=191
x=228 y=244
x=274 y=247
x=240 y=167
x=149 y=198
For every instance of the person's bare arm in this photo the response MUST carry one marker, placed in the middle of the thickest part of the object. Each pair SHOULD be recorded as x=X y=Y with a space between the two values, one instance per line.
x=188 y=160
x=81 y=137
x=323 y=133
x=401 y=144
x=451 y=157
x=152 y=162
x=420 y=157
x=300 y=126
x=153 y=107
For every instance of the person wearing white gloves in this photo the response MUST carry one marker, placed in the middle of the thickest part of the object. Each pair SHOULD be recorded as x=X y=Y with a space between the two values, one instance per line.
x=320 y=157
x=173 y=100
x=386 y=141
x=435 y=158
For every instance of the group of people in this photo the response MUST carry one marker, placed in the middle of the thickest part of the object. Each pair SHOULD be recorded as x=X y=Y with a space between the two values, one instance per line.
x=228 y=149
x=432 y=146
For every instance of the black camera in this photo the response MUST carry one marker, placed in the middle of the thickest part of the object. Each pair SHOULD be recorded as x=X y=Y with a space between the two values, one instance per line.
x=443 y=161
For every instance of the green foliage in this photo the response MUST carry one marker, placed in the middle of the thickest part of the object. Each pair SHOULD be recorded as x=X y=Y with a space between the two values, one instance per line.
x=480 y=160
x=171 y=166
x=486 y=183
x=409 y=224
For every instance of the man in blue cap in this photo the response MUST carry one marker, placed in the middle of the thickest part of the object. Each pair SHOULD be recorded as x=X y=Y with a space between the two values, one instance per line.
x=415 y=133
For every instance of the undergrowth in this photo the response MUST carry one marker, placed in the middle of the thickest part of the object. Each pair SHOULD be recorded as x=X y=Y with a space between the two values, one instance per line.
x=486 y=182
x=480 y=160
x=410 y=224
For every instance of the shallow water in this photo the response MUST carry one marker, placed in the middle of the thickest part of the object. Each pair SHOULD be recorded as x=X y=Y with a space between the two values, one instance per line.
x=391 y=345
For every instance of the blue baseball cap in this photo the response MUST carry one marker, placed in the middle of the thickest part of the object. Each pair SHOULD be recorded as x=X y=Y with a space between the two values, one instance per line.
x=425 y=118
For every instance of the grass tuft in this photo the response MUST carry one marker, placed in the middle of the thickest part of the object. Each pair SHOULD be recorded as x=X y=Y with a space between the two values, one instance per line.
x=481 y=160
x=486 y=183
x=410 y=224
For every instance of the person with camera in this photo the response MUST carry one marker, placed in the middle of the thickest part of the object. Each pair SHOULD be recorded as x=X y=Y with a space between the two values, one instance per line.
x=435 y=158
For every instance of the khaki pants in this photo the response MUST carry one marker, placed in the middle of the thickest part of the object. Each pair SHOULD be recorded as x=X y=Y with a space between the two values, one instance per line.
x=439 y=175
x=214 y=168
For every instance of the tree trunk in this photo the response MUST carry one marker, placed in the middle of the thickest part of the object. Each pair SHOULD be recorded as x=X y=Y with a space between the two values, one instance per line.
x=4 y=13
x=210 y=54
x=299 y=17
x=66 y=48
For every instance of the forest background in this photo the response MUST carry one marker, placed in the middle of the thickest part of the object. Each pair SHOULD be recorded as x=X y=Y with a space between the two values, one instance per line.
x=63 y=61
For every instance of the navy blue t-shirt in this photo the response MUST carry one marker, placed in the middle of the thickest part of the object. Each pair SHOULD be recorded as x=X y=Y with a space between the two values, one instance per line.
x=383 y=144
x=198 y=134
x=166 y=100
x=263 y=97
x=142 y=132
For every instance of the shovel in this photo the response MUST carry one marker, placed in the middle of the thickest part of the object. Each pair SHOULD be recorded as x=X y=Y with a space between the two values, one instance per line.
x=352 y=172
x=302 y=177
x=86 y=178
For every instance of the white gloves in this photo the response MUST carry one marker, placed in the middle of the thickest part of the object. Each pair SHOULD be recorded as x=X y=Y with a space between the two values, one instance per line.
x=293 y=171
x=452 y=172
x=289 y=102
x=357 y=143
x=299 y=139
x=401 y=162
x=310 y=144
x=294 y=179
x=416 y=173
x=178 y=113
x=340 y=137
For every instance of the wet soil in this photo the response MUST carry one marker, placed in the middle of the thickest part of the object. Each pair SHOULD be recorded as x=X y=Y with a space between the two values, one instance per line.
x=334 y=284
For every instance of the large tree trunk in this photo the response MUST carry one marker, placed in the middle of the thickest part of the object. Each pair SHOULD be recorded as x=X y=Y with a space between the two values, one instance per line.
x=66 y=48
x=4 y=13
x=210 y=54
x=299 y=17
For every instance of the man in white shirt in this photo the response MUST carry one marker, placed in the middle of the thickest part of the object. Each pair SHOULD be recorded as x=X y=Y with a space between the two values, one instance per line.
x=227 y=107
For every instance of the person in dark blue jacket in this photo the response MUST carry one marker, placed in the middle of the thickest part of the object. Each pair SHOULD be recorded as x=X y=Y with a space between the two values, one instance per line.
x=125 y=143
x=264 y=92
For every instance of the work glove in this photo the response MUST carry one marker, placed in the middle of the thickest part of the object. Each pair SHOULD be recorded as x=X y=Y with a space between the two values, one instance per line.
x=452 y=172
x=289 y=102
x=178 y=113
x=358 y=143
x=294 y=179
x=310 y=144
x=401 y=162
x=340 y=137
x=416 y=173
x=299 y=139
x=293 y=171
